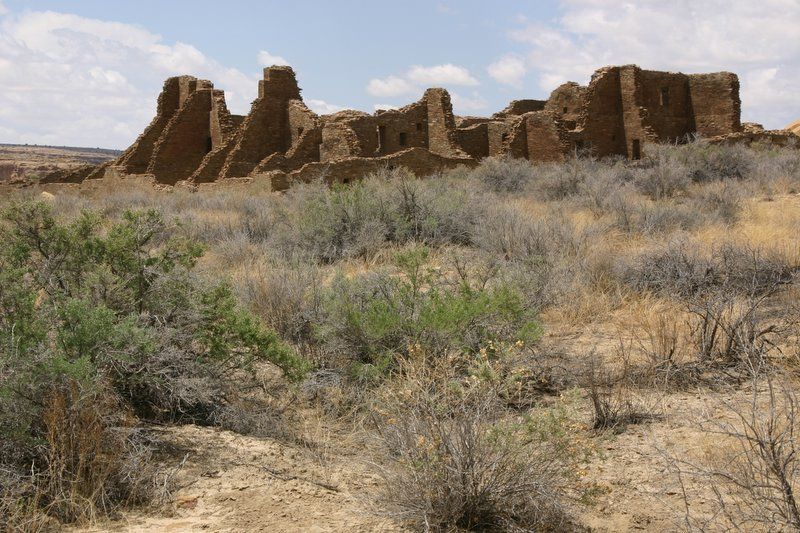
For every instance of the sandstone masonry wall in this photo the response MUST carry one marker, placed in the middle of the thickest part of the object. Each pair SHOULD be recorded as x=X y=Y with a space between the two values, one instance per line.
x=194 y=137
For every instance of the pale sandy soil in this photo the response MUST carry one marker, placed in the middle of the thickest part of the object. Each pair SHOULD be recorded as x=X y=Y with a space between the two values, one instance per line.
x=232 y=482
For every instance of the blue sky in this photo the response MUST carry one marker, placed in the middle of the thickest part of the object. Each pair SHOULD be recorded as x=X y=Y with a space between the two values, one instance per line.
x=88 y=72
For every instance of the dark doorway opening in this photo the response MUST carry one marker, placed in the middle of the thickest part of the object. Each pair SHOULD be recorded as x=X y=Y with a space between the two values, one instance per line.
x=209 y=144
x=402 y=138
x=636 y=149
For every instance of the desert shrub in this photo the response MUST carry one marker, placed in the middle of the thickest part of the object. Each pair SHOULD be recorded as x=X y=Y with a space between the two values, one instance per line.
x=435 y=212
x=286 y=295
x=725 y=161
x=562 y=180
x=509 y=233
x=659 y=351
x=211 y=226
x=662 y=175
x=662 y=217
x=777 y=170
x=615 y=404
x=89 y=459
x=504 y=175
x=329 y=224
x=600 y=189
x=719 y=201
x=731 y=331
x=752 y=470
x=450 y=459
x=375 y=319
x=118 y=316
x=708 y=162
x=674 y=268
x=678 y=268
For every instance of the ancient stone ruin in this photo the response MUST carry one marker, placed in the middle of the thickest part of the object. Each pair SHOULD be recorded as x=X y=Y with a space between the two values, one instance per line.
x=195 y=139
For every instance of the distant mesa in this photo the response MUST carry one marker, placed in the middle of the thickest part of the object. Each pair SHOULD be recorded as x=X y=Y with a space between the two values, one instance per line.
x=195 y=139
x=25 y=164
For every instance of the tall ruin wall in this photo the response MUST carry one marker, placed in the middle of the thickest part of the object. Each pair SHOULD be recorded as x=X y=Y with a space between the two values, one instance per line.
x=195 y=138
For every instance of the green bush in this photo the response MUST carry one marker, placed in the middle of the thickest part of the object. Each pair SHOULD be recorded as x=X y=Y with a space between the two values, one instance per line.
x=380 y=317
x=114 y=313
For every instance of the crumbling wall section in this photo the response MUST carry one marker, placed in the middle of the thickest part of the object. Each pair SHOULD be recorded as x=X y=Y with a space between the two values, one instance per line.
x=222 y=123
x=185 y=141
x=474 y=140
x=715 y=103
x=519 y=107
x=665 y=96
x=515 y=143
x=546 y=137
x=567 y=101
x=136 y=158
x=401 y=129
x=418 y=160
x=305 y=150
x=602 y=123
x=442 y=139
x=301 y=119
x=498 y=133
x=266 y=129
x=340 y=136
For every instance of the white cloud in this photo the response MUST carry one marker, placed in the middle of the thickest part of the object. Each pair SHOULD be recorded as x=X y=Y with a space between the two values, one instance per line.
x=508 y=70
x=384 y=107
x=3 y=9
x=265 y=59
x=757 y=40
x=391 y=86
x=468 y=104
x=447 y=74
x=322 y=107
x=73 y=80
x=418 y=78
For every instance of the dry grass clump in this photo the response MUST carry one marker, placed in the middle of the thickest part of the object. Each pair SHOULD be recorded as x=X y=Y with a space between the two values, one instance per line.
x=93 y=461
x=452 y=458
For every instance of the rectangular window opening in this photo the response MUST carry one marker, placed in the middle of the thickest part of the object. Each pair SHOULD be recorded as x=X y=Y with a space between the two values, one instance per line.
x=402 y=138
x=664 y=96
x=381 y=138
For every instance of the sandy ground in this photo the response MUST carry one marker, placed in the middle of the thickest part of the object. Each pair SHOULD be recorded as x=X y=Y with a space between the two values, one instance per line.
x=231 y=482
